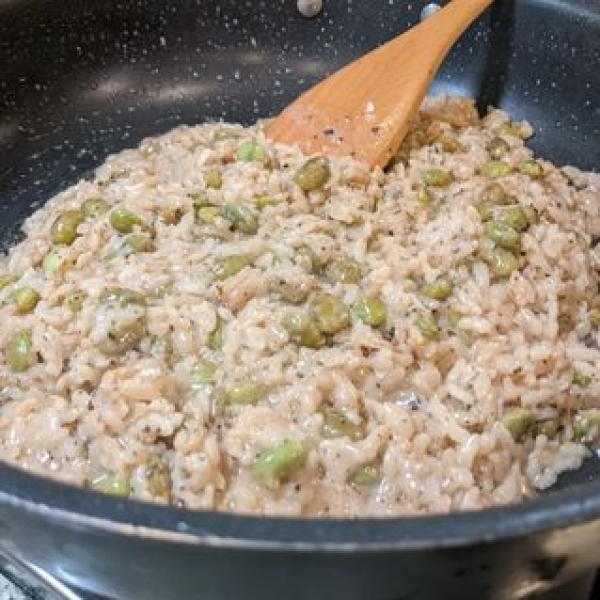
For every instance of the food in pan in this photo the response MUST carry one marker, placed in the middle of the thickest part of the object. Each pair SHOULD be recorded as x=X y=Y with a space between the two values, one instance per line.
x=219 y=323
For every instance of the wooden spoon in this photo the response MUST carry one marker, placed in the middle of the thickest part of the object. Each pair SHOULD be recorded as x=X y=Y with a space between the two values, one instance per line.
x=365 y=109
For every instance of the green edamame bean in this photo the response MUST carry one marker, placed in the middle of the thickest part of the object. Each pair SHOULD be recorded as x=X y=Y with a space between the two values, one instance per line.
x=242 y=217
x=310 y=260
x=344 y=270
x=207 y=214
x=371 y=311
x=498 y=148
x=450 y=144
x=124 y=221
x=515 y=129
x=366 y=475
x=513 y=216
x=158 y=477
x=216 y=338
x=586 y=425
x=288 y=292
x=75 y=301
x=64 y=229
x=532 y=215
x=113 y=485
x=437 y=178
x=313 y=174
x=424 y=195
x=302 y=330
x=277 y=464
x=428 y=326
x=336 y=425
x=501 y=262
x=123 y=296
x=518 y=422
x=228 y=266
x=251 y=151
x=6 y=280
x=123 y=337
x=54 y=261
x=25 y=299
x=495 y=194
x=245 y=392
x=531 y=168
x=485 y=210
x=454 y=318
x=213 y=179
x=262 y=202
x=581 y=379
x=495 y=169
x=93 y=208
x=329 y=312
x=204 y=371
x=140 y=242
x=441 y=289
x=503 y=235
x=19 y=351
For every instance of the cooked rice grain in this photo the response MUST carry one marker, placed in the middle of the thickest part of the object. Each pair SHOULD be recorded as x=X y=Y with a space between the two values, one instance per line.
x=144 y=396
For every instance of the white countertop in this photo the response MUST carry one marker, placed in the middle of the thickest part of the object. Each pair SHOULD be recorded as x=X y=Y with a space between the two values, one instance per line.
x=25 y=589
x=9 y=592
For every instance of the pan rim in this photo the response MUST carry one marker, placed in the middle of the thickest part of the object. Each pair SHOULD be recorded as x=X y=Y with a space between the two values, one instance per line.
x=85 y=509
x=79 y=508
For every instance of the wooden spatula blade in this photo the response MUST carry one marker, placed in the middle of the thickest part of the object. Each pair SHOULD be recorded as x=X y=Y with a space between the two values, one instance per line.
x=343 y=116
x=365 y=109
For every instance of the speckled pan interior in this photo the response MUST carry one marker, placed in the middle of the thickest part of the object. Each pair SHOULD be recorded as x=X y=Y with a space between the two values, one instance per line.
x=82 y=79
x=79 y=80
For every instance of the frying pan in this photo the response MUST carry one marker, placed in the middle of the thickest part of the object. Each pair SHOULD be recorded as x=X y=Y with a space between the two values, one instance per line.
x=79 y=80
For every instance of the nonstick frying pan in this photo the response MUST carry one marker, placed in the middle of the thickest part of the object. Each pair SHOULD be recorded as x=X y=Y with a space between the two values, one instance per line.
x=79 y=80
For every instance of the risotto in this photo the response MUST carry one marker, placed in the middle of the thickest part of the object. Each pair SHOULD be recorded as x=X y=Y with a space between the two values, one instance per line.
x=217 y=322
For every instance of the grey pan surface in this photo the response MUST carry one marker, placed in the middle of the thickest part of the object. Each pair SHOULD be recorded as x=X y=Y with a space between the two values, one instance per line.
x=79 y=80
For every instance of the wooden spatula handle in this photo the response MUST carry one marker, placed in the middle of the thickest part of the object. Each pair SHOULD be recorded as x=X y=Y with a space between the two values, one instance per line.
x=366 y=108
